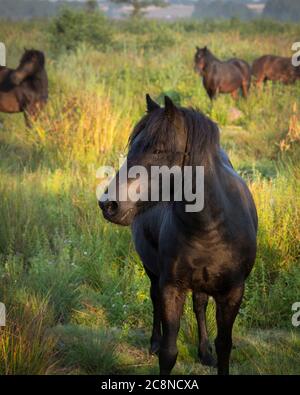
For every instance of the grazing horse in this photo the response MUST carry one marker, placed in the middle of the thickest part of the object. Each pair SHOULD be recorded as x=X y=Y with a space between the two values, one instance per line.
x=210 y=252
x=25 y=89
x=274 y=68
x=222 y=77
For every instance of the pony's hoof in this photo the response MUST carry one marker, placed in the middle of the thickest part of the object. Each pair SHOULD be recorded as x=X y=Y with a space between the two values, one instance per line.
x=154 y=348
x=208 y=360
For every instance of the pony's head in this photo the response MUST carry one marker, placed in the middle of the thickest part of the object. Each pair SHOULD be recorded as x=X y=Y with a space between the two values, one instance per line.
x=31 y=63
x=200 y=59
x=163 y=142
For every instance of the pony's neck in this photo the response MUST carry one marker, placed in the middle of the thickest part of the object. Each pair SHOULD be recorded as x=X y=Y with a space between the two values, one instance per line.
x=211 y=195
x=40 y=82
x=209 y=58
x=39 y=75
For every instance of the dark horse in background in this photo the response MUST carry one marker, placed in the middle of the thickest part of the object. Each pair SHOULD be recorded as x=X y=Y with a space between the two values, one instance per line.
x=274 y=68
x=229 y=76
x=25 y=89
x=210 y=252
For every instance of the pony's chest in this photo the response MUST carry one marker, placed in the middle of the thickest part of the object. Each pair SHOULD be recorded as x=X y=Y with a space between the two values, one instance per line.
x=146 y=242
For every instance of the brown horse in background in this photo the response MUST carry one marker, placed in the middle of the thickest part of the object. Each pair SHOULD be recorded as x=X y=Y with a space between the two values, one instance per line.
x=25 y=89
x=274 y=68
x=222 y=77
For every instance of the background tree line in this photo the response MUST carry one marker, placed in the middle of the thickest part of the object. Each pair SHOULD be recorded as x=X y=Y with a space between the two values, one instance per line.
x=284 y=10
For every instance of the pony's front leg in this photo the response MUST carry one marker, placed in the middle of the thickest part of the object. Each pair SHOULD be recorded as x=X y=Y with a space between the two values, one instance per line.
x=212 y=93
x=27 y=120
x=172 y=301
x=32 y=111
x=227 y=308
x=259 y=82
x=245 y=88
x=156 y=329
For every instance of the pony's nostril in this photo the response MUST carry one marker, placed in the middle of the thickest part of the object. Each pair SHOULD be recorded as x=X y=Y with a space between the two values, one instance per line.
x=110 y=207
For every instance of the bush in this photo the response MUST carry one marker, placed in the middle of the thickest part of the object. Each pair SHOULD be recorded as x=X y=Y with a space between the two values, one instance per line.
x=90 y=351
x=71 y=28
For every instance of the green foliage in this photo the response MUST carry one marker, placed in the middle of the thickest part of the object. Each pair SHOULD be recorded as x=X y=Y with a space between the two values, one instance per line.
x=87 y=351
x=71 y=28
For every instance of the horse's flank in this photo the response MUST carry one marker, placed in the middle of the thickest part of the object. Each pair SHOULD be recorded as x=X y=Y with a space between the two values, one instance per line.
x=275 y=68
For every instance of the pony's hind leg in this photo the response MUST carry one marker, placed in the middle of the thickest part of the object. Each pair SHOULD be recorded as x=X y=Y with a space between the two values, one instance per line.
x=227 y=308
x=172 y=301
x=200 y=301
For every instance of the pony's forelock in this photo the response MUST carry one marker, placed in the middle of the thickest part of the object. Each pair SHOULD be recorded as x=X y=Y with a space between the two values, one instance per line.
x=202 y=134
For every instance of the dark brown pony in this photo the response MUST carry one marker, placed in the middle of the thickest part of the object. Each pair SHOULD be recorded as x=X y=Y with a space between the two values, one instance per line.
x=222 y=77
x=274 y=68
x=210 y=251
x=25 y=89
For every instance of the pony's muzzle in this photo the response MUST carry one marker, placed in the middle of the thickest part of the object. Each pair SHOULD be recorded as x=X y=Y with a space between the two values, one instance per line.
x=109 y=208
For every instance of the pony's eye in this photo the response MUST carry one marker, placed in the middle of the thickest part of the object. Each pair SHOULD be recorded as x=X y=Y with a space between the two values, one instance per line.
x=156 y=152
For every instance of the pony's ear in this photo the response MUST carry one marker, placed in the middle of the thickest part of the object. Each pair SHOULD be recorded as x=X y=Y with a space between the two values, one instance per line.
x=205 y=48
x=151 y=104
x=170 y=108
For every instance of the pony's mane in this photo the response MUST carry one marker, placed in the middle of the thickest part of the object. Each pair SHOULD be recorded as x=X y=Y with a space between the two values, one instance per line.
x=209 y=56
x=202 y=134
x=33 y=53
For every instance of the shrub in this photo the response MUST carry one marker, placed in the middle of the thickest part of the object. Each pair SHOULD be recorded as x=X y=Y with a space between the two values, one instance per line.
x=92 y=351
x=71 y=28
x=26 y=346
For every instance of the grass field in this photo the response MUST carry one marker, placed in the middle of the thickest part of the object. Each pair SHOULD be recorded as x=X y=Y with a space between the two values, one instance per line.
x=76 y=295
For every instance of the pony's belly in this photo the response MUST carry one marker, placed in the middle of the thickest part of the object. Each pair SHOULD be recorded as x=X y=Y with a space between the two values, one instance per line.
x=216 y=280
x=231 y=85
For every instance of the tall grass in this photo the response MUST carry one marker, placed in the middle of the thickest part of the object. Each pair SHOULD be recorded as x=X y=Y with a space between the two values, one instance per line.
x=75 y=290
